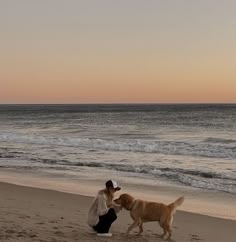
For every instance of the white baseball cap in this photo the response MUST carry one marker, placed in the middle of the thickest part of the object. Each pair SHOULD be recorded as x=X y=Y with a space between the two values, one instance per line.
x=112 y=184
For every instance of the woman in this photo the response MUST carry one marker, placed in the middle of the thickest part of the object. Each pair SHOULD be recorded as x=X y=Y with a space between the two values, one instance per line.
x=103 y=211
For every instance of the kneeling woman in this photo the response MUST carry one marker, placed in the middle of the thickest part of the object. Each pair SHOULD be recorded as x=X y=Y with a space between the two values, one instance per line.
x=103 y=211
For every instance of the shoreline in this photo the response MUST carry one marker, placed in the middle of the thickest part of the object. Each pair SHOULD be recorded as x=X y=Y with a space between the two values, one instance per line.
x=33 y=214
x=213 y=204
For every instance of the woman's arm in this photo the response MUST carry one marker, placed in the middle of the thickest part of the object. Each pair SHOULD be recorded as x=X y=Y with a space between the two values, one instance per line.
x=102 y=205
x=117 y=207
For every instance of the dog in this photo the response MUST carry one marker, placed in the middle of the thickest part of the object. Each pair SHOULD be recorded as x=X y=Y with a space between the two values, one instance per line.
x=143 y=211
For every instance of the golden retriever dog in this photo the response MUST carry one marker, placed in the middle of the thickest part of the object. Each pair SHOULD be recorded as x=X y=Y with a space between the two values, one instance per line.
x=144 y=211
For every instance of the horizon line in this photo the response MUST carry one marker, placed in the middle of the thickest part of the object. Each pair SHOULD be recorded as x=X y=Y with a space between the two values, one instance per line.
x=123 y=103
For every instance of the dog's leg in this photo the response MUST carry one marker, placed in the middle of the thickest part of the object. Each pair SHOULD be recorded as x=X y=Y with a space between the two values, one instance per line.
x=163 y=226
x=169 y=231
x=140 y=227
x=166 y=229
x=133 y=225
x=164 y=233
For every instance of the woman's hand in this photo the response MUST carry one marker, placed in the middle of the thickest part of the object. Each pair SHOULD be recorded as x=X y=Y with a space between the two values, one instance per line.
x=117 y=207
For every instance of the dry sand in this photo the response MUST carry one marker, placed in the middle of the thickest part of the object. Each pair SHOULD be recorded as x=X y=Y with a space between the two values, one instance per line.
x=32 y=214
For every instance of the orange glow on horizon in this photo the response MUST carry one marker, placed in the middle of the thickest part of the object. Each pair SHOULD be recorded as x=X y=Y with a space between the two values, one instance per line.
x=90 y=56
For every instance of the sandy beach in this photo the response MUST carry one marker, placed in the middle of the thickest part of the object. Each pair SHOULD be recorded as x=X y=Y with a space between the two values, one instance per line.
x=32 y=214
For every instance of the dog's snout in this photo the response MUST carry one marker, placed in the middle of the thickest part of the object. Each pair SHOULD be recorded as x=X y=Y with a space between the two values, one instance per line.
x=117 y=201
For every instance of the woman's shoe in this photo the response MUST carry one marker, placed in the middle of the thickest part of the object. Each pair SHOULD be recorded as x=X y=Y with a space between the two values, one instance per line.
x=104 y=234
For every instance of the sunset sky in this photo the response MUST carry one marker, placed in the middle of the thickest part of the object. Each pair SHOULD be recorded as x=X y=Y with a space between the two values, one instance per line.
x=117 y=51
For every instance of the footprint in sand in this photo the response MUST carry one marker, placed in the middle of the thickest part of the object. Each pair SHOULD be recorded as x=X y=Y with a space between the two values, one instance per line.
x=20 y=235
x=195 y=237
x=52 y=221
x=70 y=227
x=40 y=223
x=10 y=231
x=59 y=233
x=33 y=235
x=24 y=216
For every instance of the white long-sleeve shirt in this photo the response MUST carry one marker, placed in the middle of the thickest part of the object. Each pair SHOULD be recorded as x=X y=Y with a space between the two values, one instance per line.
x=99 y=207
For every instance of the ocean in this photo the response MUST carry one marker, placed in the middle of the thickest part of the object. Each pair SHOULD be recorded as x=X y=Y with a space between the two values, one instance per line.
x=192 y=146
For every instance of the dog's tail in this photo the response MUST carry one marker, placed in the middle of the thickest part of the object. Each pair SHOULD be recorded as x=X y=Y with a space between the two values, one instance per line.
x=176 y=204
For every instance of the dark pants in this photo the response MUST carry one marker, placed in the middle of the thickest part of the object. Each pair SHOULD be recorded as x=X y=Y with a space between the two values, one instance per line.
x=105 y=221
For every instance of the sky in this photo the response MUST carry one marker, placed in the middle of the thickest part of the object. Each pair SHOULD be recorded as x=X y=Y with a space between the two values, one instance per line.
x=117 y=51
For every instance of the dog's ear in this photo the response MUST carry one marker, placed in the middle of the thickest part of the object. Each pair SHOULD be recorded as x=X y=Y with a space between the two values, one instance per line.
x=125 y=200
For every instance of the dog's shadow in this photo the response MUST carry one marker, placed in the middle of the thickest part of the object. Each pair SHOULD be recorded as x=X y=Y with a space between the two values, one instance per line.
x=144 y=237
